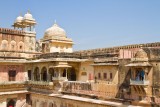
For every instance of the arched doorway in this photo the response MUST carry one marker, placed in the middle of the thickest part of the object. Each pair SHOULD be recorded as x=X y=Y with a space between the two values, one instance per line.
x=51 y=74
x=36 y=74
x=71 y=74
x=11 y=103
x=43 y=104
x=64 y=73
x=50 y=104
x=29 y=74
x=54 y=105
x=44 y=74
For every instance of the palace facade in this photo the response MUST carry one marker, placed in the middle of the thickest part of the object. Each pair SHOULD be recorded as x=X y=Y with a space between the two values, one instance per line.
x=48 y=73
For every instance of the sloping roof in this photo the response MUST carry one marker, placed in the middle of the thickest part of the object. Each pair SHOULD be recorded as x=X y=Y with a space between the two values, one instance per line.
x=105 y=64
x=60 y=66
x=140 y=64
x=13 y=92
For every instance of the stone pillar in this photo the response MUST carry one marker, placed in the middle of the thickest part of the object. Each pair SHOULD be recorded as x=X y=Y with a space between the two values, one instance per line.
x=134 y=73
x=45 y=104
x=55 y=71
x=30 y=28
x=37 y=104
x=66 y=75
x=34 y=28
x=59 y=72
x=131 y=73
x=145 y=73
x=144 y=76
x=49 y=78
x=32 y=76
x=40 y=77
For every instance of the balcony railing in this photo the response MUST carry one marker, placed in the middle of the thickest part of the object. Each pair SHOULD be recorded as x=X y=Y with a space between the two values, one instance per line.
x=12 y=85
x=76 y=86
x=90 y=89
x=12 y=82
x=60 y=78
x=29 y=85
x=58 y=55
x=138 y=82
x=40 y=86
x=26 y=82
x=139 y=59
x=40 y=83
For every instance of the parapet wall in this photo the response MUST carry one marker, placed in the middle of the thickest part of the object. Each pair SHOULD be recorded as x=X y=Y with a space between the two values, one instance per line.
x=117 y=48
x=11 y=31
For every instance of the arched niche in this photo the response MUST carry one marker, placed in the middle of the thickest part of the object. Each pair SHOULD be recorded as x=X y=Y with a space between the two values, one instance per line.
x=36 y=74
x=51 y=74
x=44 y=74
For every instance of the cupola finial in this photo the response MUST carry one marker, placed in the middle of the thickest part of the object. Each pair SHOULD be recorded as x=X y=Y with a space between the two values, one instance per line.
x=28 y=11
x=20 y=14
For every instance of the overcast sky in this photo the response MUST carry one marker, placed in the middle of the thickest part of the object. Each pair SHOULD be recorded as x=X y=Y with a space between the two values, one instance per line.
x=91 y=23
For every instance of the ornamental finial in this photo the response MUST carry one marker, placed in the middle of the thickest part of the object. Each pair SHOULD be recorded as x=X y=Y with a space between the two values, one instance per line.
x=20 y=14
x=28 y=11
x=55 y=23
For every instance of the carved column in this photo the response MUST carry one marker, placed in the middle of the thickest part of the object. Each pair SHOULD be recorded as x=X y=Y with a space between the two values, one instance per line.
x=32 y=76
x=145 y=75
x=49 y=78
x=59 y=73
x=40 y=77
x=66 y=75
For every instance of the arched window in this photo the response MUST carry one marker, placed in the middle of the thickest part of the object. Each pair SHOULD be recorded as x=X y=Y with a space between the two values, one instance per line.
x=29 y=74
x=21 y=46
x=11 y=103
x=13 y=45
x=71 y=74
x=36 y=74
x=51 y=74
x=50 y=104
x=4 y=45
x=44 y=74
x=64 y=73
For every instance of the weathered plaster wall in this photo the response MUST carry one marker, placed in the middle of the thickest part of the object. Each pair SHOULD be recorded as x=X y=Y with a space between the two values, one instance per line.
x=20 y=75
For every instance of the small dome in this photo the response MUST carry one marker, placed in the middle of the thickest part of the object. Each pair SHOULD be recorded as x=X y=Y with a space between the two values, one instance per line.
x=141 y=54
x=19 y=19
x=54 y=31
x=28 y=16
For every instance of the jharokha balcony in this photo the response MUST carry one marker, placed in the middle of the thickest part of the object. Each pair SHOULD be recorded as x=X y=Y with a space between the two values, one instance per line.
x=139 y=76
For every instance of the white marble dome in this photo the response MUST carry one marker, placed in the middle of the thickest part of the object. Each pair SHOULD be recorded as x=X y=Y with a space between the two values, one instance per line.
x=19 y=19
x=54 y=32
x=28 y=16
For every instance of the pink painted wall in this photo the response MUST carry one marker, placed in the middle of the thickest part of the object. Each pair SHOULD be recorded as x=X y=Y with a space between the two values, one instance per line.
x=20 y=76
x=127 y=53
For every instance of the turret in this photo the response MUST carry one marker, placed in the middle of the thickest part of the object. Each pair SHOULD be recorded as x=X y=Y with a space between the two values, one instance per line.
x=26 y=23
